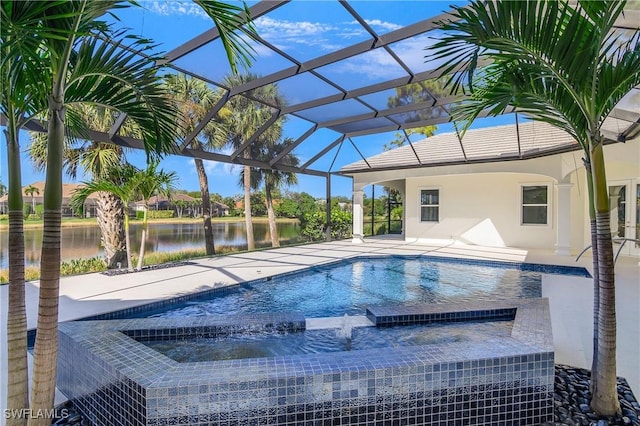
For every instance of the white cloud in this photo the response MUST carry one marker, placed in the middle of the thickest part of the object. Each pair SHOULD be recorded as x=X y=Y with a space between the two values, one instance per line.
x=174 y=7
x=412 y=52
x=287 y=34
x=379 y=25
x=388 y=26
x=377 y=64
x=269 y=27
x=218 y=169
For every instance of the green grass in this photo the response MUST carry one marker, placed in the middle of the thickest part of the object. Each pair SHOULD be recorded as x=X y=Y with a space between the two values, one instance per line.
x=78 y=221
x=30 y=272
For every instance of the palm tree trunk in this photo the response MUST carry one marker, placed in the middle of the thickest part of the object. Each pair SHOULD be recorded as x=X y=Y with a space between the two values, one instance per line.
x=46 y=344
x=17 y=380
x=110 y=217
x=127 y=239
x=273 y=230
x=143 y=239
x=206 y=208
x=596 y=277
x=605 y=394
x=596 y=301
x=251 y=243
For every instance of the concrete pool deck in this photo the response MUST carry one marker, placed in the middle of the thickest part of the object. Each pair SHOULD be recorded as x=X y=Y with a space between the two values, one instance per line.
x=570 y=297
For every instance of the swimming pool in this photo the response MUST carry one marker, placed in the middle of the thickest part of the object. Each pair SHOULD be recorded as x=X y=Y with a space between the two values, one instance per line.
x=349 y=287
x=493 y=376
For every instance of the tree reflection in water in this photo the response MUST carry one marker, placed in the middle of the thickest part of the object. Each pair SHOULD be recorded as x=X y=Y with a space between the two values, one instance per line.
x=84 y=241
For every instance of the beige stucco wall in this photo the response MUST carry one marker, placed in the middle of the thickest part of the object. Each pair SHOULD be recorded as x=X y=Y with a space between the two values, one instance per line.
x=622 y=166
x=479 y=209
x=480 y=203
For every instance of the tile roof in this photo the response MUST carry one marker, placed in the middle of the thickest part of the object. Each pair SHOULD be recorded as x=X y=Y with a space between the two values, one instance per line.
x=486 y=144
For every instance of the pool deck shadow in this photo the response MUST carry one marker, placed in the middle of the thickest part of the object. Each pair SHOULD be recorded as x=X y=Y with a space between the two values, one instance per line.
x=570 y=297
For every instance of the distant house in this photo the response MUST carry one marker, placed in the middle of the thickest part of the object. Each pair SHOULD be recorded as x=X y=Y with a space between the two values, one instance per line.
x=219 y=209
x=182 y=205
x=37 y=198
x=160 y=202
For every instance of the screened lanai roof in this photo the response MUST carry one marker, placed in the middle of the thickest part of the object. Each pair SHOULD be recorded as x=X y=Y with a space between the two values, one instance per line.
x=338 y=90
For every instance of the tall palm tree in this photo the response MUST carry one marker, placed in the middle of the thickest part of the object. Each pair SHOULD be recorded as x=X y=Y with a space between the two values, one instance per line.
x=244 y=119
x=95 y=158
x=274 y=179
x=563 y=64
x=194 y=100
x=148 y=183
x=18 y=105
x=32 y=191
x=54 y=50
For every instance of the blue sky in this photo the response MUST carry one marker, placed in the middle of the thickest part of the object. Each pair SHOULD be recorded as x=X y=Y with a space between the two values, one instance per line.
x=304 y=30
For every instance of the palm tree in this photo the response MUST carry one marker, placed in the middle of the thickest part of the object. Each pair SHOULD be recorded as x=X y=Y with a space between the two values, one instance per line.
x=274 y=179
x=148 y=183
x=181 y=205
x=563 y=64
x=194 y=100
x=54 y=57
x=122 y=182
x=18 y=107
x=32 y=191
x=95 y=158
x=245 y=117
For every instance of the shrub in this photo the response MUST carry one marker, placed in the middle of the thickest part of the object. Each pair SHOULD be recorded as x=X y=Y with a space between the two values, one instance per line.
x=4 y=217
x=341 y=222
x=39 y=210
x=155 y=214
x=31 y=273
x=81 y=266
x=313 y=225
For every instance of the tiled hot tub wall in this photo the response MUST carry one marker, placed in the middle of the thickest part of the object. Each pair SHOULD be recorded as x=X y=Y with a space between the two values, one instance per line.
x=116 y=380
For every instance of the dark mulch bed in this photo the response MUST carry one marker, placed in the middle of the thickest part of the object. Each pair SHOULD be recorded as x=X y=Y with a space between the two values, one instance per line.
x=572 y=396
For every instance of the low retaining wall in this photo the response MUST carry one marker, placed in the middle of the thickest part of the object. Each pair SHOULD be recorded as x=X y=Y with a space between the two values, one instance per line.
x=116 y=380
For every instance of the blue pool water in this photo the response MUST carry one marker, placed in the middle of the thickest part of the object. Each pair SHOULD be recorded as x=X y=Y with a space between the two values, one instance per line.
x=352 y=286
x=270 y=344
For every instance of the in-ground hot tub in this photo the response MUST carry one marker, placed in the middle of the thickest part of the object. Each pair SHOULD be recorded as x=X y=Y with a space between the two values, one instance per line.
x=115 y=379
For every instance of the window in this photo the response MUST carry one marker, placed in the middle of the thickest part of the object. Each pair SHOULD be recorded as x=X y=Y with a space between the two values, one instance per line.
x=534 y=205
x=429 y=205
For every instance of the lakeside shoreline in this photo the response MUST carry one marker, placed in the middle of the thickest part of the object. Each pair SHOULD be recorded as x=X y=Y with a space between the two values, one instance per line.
x=76 y=222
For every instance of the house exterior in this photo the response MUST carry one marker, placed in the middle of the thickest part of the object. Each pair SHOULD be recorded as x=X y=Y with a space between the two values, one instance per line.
x=37 y=197
x=190 y=206
x=219 y=209
x=495 y=190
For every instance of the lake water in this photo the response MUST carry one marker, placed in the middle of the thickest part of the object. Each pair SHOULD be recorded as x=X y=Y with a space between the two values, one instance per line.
x=84 y=241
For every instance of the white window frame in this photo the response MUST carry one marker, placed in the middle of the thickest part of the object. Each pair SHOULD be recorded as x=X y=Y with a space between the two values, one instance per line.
x=420 y=205
x=547 y=205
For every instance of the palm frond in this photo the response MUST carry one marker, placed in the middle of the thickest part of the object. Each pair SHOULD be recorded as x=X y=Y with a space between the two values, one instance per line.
x=114 y=76
x=86 y=189
x=555 y=61
x=228 y=20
